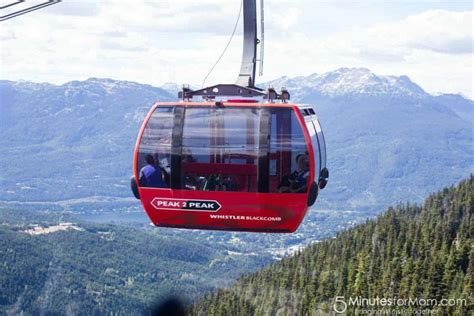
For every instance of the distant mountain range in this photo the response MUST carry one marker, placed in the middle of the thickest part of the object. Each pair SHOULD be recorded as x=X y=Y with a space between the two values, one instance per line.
x=387 y=139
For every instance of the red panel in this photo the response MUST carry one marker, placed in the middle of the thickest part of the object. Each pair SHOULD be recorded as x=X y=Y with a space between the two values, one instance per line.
x=264 y=212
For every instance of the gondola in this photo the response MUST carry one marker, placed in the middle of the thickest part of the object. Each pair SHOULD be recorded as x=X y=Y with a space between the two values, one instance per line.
x=240 y=158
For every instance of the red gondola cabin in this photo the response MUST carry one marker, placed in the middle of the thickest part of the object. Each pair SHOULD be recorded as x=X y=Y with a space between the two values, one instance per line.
x=236 y=165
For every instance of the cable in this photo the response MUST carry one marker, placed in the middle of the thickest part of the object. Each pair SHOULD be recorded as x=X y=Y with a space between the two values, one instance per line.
x=228 y=43
x=27 y=10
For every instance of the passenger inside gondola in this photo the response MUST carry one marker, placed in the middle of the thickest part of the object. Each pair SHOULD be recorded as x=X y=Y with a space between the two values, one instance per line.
x=297 y=181
x=151 y=175
x=163 y=164
x=191 y=179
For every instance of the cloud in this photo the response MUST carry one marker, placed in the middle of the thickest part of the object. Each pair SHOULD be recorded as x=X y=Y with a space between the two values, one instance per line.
x=76 y=8
x=436 y=30
x=173 y=16
x=283 y=19
x=439 y=31
x=178 y=41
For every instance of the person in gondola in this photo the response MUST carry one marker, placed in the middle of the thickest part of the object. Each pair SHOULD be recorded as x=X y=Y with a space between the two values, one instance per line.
x=151 y=175
x=297 y=181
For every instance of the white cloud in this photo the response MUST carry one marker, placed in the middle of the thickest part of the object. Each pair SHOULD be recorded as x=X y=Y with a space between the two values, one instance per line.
x=437 y=30
x=160 y=41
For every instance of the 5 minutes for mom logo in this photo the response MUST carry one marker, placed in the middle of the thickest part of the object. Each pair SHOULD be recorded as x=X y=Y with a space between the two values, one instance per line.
x=185 y=205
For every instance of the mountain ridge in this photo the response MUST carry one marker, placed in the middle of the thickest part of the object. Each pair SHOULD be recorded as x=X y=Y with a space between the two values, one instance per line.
x=344 y=80
x=348 y=81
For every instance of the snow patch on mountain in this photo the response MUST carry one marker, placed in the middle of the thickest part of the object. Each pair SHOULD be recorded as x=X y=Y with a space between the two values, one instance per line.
x=348 y=81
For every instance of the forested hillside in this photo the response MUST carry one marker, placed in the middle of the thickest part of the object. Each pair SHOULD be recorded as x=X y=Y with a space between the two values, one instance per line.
x=54 y=267
x=409 y=252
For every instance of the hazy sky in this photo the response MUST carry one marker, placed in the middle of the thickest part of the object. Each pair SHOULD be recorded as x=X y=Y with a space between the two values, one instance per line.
x=161 y=41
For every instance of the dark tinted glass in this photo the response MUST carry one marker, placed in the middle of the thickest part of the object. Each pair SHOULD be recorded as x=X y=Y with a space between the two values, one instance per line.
x=316 y=147
x=289 y=160
x=154 y=153
x=197 y=130
x=220 y=149
x=322 y=142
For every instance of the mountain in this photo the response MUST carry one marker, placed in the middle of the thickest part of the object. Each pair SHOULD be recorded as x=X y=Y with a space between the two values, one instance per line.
x=70 y=141
x=409 y=252
x=348 y=81
x=387 y=139
x=53 y=265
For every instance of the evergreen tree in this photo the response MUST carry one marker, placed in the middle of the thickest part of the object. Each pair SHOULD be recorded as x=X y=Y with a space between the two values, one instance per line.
x=408 y=252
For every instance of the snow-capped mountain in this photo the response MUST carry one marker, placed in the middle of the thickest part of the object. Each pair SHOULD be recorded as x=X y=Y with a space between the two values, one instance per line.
x=348 y=81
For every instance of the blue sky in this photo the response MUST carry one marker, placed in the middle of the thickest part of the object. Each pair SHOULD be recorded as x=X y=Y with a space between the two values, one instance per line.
x=178 y=41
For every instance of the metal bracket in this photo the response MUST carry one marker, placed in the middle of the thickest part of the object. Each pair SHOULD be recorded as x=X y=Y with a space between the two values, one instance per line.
x=221 y=90
x=272 y=95
x=233 y=90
